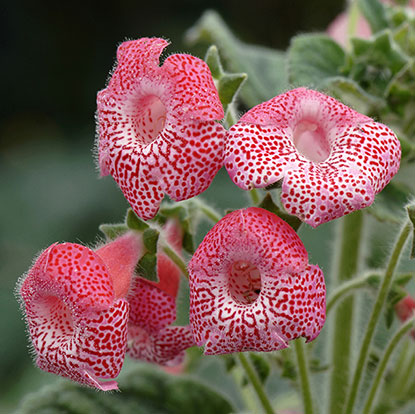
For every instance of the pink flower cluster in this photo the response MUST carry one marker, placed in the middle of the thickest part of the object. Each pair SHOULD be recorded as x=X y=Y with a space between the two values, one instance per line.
x=251 y=286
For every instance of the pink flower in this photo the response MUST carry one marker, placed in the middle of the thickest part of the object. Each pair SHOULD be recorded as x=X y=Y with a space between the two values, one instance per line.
x=153 y=310
x=75 y=310
x=405 y=309
x=330 y=159
x=251 y=287
x=156 y=126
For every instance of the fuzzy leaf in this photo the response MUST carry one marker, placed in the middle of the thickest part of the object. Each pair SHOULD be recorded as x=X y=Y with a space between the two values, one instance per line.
x=265 y=67
x=268 y=204
x=374 y=12
x=134 y=222
x=312 y=58
x=147 y=267
x=411 y=213
x=144 y=390
x=112 y=231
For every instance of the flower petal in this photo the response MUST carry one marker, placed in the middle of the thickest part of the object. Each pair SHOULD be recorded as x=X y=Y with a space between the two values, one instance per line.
x=151 y=308
x=251 y=287
x=195 y=95
x=186 y=158
x=166 y=347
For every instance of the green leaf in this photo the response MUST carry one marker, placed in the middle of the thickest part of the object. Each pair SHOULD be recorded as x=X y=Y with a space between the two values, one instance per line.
x=352 y=94
x=265 y=67
x=147 y=267
x=312 y=58
x=134 y=222
x=374 y=12
x=150 y=239
x=112 y=231
x=268 y=204
x=145 y=389
x=411 y=214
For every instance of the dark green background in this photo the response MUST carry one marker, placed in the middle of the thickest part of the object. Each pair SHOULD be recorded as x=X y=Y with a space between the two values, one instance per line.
x=55 y=56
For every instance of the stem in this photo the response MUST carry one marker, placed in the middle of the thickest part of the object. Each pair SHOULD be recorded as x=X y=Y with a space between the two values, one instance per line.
x=304 y=377
x=383 y=363
x=256 y=383
x=376 y=312
x=177 y=260
x=345 y=268
x=353 y=18
x=254 y=196
x=208 y=212
x=344 y=290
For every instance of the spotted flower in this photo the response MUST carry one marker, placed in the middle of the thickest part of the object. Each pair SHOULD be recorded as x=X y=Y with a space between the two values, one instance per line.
x=74 y=304
x=156 y=126
x=153 y=309
x=251 y=287
x=329 y=159
x=405 y=309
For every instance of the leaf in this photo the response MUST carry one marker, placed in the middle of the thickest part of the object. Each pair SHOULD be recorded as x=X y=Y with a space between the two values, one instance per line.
x=147 y=267
x=265 y=67
x=374 y=12
x=112 y=231
x=268 y=204
x=150 y=239
x=134 y=222
x=352 y=94
x=312 y=58
x=145 y=389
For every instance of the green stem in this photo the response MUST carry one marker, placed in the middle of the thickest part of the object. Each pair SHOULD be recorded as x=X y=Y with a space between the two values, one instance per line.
x=304 y=377
x=208 y=211
x=169 y=251
x=375 y=315
x=384 y=361
x=352 y=22
x=256 y=383
x=345 y=267
x=344 y=290
x=254 y=196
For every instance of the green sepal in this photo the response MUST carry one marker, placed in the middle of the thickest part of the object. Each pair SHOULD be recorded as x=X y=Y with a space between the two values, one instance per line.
x=268 y=204
x=411 y=214
x=313 y=58
x=228 y=87
x=150 y=239
x=112 y=231
x=374 y=12
x=134 y=222
x=187 y=216
x=212 y=59
x=147 y=267
x=395 y=294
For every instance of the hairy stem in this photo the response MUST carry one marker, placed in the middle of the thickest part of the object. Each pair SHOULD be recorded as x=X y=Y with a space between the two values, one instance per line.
x=375 y=315
x=177 y=260
x=346 y=266
x=256 y=383
x=304 y=377
x=384 y=362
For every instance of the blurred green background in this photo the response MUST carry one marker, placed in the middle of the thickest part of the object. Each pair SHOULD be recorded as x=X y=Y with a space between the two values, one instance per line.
x=55 y=57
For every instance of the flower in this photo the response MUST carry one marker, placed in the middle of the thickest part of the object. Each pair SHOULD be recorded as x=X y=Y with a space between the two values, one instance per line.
x=331 y=159
x=251 y=287
x=404 y=309
x=153 y=310
x=76 y=312
x=156 y=126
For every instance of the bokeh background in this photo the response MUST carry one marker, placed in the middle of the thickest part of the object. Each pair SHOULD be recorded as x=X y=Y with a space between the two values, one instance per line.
x=55 y=56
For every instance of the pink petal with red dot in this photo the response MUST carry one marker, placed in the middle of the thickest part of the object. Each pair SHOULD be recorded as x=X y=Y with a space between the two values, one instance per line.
x=156 y=126
x=77 y=327
x=251 y=287
x=331 y=159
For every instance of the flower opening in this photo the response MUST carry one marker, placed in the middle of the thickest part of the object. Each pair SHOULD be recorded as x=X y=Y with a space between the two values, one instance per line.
x=251 y=287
